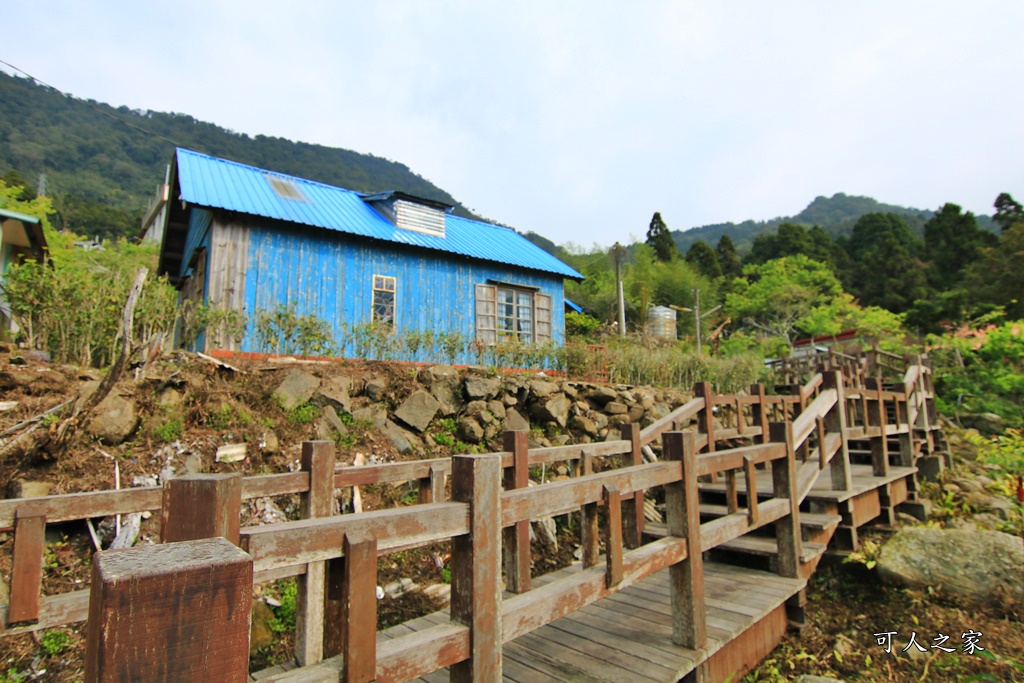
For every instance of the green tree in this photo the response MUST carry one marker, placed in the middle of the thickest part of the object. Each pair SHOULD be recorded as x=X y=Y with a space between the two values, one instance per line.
x=704 y=259
x=1008 y=212
x=789 y=240
x=886 y=269
x=952 y=240
x=871 y=229
x=778 y=297
x=660 y=239
x=728 y=260
x=997 y=277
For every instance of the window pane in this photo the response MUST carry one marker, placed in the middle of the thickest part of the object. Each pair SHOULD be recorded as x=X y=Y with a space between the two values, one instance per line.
x=506 y=296
x=523 y=299
x=383 y=307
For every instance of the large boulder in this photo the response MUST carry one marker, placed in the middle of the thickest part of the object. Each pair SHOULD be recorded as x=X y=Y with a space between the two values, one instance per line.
x=372 y=412
x=482 y=387
x=404 y=441
x=296 y=388
x=616 y=408
x=469 y=430
x=418 y=410
x=541 y=389
x=554 y=409
x=602 y=395
x=974 y=564
x=515 y=422
x=335 y=392
x=443 y=382
x=114 y=420
x=329 y=427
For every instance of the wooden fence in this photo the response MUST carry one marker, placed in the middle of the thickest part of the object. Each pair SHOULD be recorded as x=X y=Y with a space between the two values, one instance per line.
x=488 y=516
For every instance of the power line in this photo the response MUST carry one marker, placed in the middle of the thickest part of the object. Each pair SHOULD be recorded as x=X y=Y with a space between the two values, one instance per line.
x=93 y=107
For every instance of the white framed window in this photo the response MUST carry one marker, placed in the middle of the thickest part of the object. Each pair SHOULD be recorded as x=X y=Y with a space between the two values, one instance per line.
x=384 y=291
x=508 y=313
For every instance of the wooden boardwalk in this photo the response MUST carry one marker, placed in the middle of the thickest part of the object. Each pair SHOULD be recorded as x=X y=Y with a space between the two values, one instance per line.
x=628 y=635
x=701 y=597
x=861 y=476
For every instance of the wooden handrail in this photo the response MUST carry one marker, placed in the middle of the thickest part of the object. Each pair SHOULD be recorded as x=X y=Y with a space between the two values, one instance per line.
x=803 y=425
x=734 y=458
x=312 y=540
x=808 y=389
x=665 y=424
x=566 y=496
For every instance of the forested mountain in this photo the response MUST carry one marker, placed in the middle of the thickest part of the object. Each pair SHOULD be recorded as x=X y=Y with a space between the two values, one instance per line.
x=836 y=215
x=102 y=164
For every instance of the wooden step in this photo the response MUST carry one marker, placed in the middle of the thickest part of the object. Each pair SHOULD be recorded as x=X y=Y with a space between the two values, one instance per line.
x=768 y=547
x=818 y=522
x=807 y=519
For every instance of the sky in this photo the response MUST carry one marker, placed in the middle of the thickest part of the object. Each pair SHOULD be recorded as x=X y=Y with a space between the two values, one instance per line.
x=578 y=120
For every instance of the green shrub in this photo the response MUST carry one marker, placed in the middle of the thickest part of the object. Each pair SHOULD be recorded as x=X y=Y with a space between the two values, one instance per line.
x=983 y=374
x=581 y=324
x=302 y=414
x=224 y=323
x=283 y=330
x=170 y=430
x=55 y=642
x=284 y=616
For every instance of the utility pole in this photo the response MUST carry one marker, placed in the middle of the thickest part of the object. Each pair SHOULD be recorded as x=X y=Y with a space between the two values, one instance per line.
x=618 y=283
x=698 y=316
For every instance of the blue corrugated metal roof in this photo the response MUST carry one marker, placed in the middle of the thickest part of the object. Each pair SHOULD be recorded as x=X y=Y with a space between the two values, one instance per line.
x=574 y=306
x=219 y=183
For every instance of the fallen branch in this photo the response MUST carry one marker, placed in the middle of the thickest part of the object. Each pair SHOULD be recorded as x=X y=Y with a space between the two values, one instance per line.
x=38 y=418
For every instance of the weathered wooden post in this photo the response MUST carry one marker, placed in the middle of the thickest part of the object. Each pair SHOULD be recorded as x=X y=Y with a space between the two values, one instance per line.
x=476 y=567
x=516 y=538
x=589 y=529
x=686 y=578
x=633 y=519
x=431 y=488
x=836 y=422
x=27 y=562
x=359 y=609
x=787 y=529
x=706 y=416
x=312 y=604
x=880 y=443
x=170 y=612
x=613 y=536
x=759 y=412
x=201 y=506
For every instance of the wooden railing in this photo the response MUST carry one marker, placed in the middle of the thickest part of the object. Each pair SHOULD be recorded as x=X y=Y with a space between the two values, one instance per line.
x=488 y=516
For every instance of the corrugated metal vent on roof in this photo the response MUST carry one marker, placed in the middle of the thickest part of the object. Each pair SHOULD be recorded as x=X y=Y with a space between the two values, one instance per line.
x=419 y=218
x=285 y=188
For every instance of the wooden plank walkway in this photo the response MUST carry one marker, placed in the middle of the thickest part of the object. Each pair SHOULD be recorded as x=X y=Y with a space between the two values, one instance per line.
x=627 y=636
x=861 y=475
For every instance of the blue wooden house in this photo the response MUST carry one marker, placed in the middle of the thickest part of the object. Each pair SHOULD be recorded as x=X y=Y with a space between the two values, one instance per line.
x=247 y=238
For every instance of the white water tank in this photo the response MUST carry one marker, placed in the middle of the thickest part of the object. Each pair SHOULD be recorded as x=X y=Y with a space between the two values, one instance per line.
x=661 y=322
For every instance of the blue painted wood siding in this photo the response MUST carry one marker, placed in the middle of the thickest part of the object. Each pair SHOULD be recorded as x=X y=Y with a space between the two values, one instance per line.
x=198 y=235
x=331 y=275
